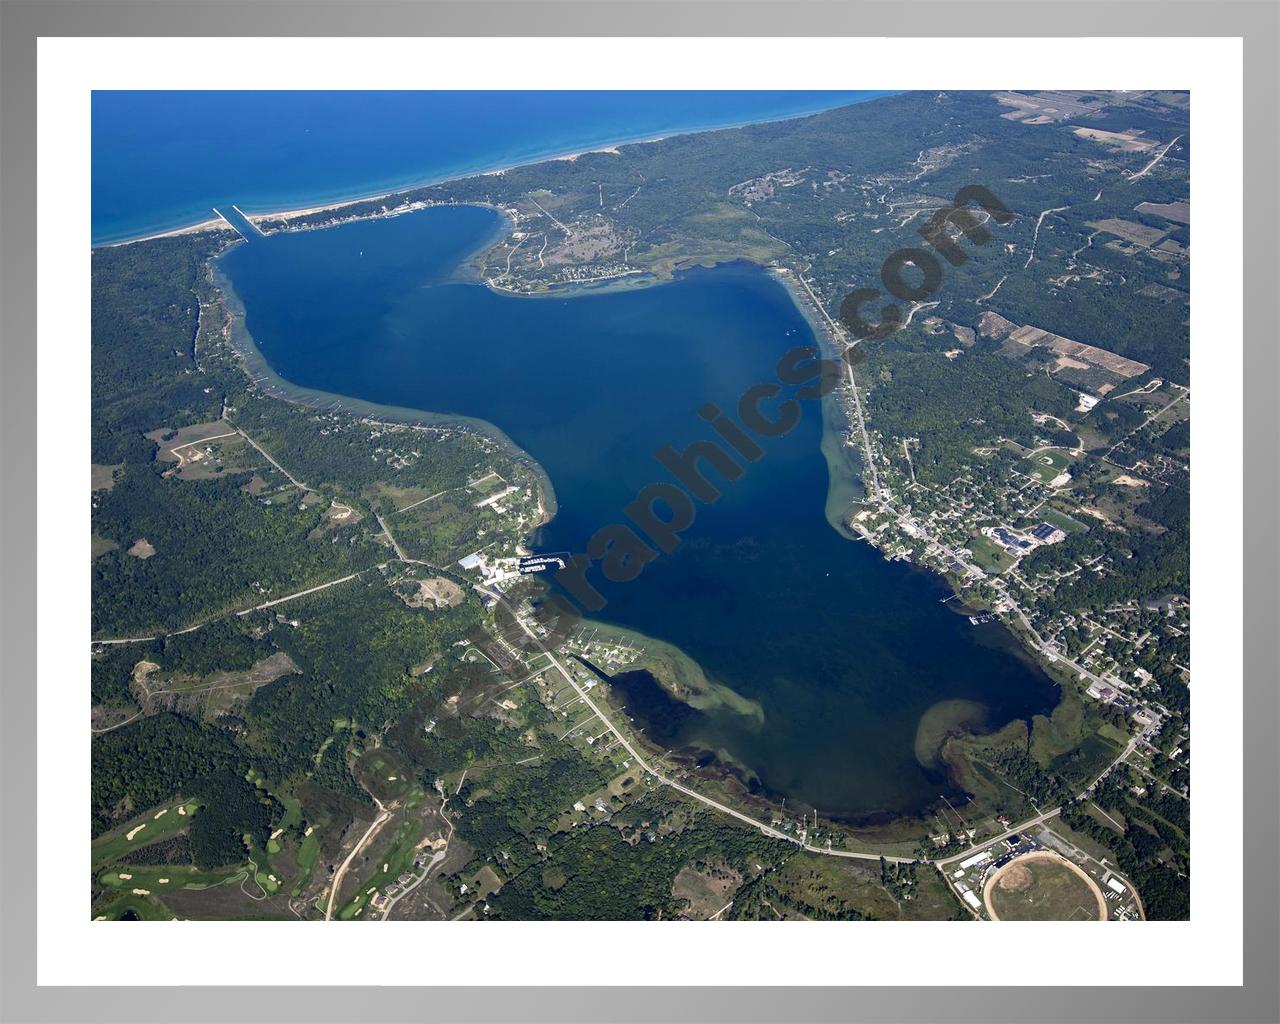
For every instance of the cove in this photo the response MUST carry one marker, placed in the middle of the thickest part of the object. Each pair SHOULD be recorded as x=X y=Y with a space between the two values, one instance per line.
x=841 y=652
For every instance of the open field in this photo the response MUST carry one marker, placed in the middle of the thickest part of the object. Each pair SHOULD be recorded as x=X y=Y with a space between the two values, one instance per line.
x=1180 y=213
x=102 y=478
x=704 y=891
x=989 y=555
x=1127 y=141
x=1130 y=231
x=1043 y=886
x=1062 y=521
x=1028 y=337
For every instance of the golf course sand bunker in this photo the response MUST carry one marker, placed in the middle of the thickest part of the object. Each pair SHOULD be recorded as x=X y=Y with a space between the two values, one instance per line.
x=1043 y=886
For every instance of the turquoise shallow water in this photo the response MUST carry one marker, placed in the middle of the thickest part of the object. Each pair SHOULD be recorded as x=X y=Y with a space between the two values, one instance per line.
x=843 y=651
x=162 y=159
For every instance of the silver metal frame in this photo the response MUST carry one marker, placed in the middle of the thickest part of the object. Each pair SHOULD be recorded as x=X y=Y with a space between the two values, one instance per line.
x=1256 y=21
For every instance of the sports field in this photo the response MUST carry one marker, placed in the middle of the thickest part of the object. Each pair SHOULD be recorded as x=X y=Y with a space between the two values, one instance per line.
x=1046 y=464
x=1043 y=886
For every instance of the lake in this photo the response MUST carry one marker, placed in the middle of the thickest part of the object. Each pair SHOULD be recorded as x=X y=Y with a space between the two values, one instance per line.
x=842 y=652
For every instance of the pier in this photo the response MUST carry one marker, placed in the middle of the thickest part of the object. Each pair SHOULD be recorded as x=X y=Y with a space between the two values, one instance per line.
x=235 y=218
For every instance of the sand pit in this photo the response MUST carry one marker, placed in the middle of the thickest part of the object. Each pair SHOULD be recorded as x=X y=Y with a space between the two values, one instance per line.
x=142 y=548
x=1017 y=878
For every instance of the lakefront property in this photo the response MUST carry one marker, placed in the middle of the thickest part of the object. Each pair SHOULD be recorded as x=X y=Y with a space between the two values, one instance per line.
x=788 y=520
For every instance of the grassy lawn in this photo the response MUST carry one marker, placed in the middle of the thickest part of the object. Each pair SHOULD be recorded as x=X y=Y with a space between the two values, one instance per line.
x=1062 y=521
x=1047 y=464
x=158 y=879
x=308 y=854
x=130 y=907
x=1109 y=732
x=989 y=555
x=116 y=843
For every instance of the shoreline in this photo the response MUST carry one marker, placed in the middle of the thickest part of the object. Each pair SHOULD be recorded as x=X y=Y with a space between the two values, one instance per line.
x=383 y=192
x=261 y=376
x=845 y=485
x=211 y=224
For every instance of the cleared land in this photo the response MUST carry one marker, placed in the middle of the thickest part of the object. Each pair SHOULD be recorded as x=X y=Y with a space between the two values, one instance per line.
x=1129 y=140
x=1130 y=231
x=1033 y=337
x=1180 y=213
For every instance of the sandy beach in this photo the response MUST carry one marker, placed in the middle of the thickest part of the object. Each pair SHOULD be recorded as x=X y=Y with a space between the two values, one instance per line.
x=212 y=224
x=257 y=216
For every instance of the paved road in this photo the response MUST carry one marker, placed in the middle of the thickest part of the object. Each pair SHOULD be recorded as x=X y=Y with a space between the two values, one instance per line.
x=1159 y=157
x=693 y=794
x=662 y=779
x=1029 y=823
x=263 y=452
x=1043 y=817
x=436 y=859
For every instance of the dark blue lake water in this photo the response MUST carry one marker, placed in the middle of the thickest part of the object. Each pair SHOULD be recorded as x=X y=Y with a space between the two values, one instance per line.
x=162 y=159
x=843 y=651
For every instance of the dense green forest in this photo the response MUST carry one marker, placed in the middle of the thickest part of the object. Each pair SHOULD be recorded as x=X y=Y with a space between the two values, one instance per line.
x=1154 y=850
x=954 y=406
x=144 y=316
x=154 y=759
x=214 y=544
x=603 y=876
x=357 y=647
